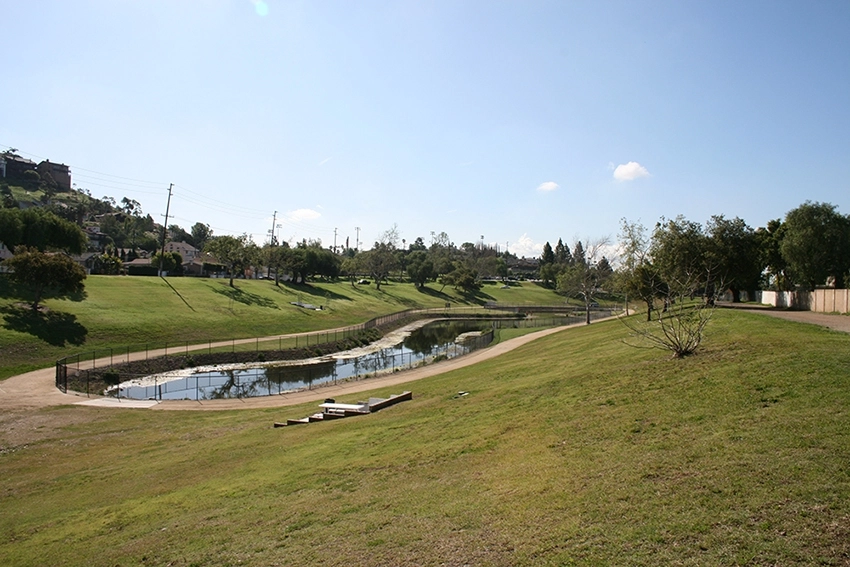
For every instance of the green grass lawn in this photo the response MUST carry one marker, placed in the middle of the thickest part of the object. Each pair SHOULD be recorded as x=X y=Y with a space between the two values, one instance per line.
x=573 y=450
x=120 y=312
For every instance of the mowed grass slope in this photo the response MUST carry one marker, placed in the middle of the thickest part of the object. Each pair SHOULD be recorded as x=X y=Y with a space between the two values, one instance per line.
x=117 y=312
x=573 y=450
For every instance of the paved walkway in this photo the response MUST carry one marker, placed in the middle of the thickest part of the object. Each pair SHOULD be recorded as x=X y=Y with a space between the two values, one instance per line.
x=834 y=322
x=36 y=389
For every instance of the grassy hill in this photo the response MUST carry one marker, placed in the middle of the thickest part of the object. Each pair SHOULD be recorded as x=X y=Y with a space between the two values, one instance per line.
x=573 y=450
x=118 y=312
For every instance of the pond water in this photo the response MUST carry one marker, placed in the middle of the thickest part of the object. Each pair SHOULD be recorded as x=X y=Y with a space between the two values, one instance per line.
x=438 y=339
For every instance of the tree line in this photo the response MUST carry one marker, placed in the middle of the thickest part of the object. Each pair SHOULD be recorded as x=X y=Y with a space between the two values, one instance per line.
x=810 y=247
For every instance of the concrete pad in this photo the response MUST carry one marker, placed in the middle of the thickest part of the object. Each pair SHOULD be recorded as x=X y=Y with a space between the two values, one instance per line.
x=115 y=403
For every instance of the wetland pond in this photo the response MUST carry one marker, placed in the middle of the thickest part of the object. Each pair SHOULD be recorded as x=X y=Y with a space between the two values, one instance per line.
x=409 y=347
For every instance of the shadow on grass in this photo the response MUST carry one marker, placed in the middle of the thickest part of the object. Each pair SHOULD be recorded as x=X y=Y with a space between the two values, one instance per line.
x=478 y=296
x=435 y=293
x=308 y=289
x=53 y=327
x=178 y=293
x=244 y=297
x=10 y=290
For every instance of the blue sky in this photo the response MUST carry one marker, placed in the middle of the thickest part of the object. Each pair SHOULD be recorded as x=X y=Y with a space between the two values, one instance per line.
x=522 y=121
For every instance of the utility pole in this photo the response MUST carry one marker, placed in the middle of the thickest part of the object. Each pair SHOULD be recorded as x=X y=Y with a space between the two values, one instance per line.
x=334 y=240
x=165 y=227
x=357 y=241
x=271 y=232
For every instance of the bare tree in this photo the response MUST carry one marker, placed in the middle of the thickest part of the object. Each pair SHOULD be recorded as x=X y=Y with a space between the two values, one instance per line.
x=679 y=282
x=678 y=326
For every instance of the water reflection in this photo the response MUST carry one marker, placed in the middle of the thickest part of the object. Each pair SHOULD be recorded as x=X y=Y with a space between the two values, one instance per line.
x=434 y=339
x=424 y=340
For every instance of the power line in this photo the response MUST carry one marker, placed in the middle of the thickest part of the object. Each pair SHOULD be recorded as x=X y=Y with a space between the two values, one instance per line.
x=130 y=185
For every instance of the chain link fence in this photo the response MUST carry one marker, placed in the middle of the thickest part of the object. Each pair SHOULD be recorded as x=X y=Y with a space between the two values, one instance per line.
x=282 y=379
x=94 y=371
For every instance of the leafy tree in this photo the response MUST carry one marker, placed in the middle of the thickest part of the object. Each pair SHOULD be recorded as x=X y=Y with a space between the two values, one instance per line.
x=235 y=253
x=7 y=199
x=381 y=259
x=646 y=284
x=502 y=268
x=548 y=256
x=584 y=277
x=201 y=233
x=770 y=249
x=461 y=278
x=379 y=262
x=418 y=244
x=578 y=253
x=131 y=207
x=605 y=270
x=177 y=234
x=320 y=262
x=110 y=226
x=562 y=253
x=107 y=264
x=276 y=258
x=420 y=268
x=41 y=271
x=40 y=229
x=296 y=263
x=816 y=244
x=680 y=252
x=30 y=180
x=549 y=273
x=349 y=267
x=734 y=250
x=171 y=262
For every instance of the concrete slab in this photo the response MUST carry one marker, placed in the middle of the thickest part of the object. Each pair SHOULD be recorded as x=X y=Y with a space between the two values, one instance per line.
x=115 y=403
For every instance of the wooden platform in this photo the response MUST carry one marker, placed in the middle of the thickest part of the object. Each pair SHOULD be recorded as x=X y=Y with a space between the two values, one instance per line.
x=332 y=410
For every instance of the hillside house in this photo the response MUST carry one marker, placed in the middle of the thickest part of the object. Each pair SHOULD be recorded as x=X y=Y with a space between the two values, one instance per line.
x=186 y=250
x=97 y=240
x=14 y=167
x=59 y=172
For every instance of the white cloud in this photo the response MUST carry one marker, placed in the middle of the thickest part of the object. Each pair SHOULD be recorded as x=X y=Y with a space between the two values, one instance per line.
x=303 y=214
x=324 y=161
x=525 y=247
x=630 y=171
x=548 y=186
